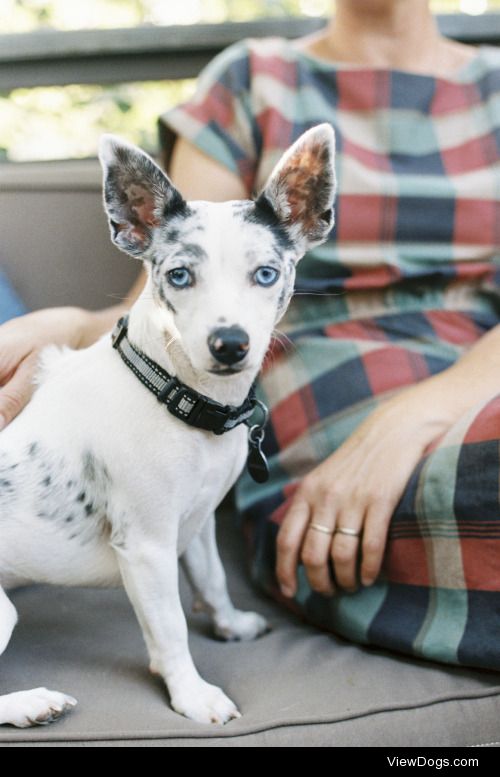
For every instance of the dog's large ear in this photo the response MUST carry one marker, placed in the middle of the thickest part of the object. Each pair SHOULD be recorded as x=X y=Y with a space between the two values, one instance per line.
x=301 y=188
x=138 y=196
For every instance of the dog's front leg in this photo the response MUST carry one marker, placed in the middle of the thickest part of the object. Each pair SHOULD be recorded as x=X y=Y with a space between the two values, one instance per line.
x=150 y=574
x=203 y=568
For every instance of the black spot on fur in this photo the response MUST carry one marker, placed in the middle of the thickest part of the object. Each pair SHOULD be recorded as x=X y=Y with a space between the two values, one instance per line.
x=94 y=471
x=47 y=481
x=172 y=235
x=89 y=467
x=176 y=206
x=33 y=449
x=81 y=497
x=89 y=508
x=327 y=216
x=165 y=299
x=193 y=252
x=264 y=214
x=69 y=518
x=169 y=305
x=281 y=299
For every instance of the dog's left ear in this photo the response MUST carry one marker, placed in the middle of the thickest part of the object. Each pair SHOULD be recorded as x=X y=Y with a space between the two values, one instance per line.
x=301 y=188
x=138 y=196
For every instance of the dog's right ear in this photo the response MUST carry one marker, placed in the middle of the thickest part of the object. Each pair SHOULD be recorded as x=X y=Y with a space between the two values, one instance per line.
x=138 y=196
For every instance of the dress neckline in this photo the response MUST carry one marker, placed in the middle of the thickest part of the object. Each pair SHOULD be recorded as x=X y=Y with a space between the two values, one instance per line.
x=465 y=74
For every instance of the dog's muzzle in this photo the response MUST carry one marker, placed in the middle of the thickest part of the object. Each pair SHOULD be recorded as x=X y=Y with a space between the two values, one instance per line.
x=229 y=344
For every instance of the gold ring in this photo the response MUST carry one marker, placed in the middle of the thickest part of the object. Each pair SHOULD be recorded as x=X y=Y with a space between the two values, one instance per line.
x=319 y=527
x=346 y=530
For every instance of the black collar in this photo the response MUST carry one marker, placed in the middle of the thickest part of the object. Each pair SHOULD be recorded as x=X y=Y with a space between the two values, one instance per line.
x=193 y=408
x=183 y=402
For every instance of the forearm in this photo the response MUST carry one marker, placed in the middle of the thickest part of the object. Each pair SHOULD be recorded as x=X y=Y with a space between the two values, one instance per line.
x=474 y=378
x=476 y=375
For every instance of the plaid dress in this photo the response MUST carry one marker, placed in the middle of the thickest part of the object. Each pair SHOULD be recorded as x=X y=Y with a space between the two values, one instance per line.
x=407 y=282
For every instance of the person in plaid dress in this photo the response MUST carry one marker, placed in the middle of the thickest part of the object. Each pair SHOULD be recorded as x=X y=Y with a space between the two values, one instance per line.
x=381 y=518
x=359 y=382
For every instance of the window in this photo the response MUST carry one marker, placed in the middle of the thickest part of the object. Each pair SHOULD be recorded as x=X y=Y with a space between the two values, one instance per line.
x=60 y=122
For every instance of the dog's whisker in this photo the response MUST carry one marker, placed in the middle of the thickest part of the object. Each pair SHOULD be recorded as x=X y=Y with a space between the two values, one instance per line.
x=160 y=340
x=128 y=298
x=121 y=297
x=172 y=340
x=286 y=343
x=279 y=333
x=318 y=293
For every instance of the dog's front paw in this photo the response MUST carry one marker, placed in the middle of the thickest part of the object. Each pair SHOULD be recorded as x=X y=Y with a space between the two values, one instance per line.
x=205 y=703
x=241 y=625
x=37 y=707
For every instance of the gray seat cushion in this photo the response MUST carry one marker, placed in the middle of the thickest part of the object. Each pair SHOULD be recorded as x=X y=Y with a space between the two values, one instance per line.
x=296 y=686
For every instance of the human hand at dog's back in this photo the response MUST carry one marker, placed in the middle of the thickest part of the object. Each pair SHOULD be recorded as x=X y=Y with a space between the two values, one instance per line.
x=23 y=338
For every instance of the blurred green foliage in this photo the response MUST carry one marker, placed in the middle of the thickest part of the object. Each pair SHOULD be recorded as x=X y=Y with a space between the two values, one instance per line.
x=64 y=122
x=24 y=15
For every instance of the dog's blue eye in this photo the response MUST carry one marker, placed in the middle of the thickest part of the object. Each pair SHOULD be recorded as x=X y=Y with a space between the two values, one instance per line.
x=180 y=277
x=266 y=276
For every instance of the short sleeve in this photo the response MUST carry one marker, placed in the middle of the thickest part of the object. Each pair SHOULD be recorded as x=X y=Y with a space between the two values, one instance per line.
x=219 y=119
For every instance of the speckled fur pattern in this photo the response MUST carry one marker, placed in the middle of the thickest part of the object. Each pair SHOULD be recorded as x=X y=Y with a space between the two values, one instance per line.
x=99 y=484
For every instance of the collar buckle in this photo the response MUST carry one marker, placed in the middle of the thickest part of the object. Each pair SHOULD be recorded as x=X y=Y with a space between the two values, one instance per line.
x=198 y=411
x=193 y=409
x=183 y=403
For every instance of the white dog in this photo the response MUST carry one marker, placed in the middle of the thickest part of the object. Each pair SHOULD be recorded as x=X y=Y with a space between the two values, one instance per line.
x=100 y=485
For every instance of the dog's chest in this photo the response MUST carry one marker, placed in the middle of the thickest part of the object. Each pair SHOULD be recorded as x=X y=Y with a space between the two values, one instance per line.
x=204 y=478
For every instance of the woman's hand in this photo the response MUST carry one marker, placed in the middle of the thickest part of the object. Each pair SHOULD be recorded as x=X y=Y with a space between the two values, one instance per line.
x=358 y=488
x=22 y=339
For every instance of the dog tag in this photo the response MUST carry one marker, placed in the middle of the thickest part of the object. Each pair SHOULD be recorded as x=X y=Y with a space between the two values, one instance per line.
x=256 y=461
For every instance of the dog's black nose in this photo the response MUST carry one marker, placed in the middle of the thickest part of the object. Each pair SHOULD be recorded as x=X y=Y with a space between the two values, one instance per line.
x=228 y=344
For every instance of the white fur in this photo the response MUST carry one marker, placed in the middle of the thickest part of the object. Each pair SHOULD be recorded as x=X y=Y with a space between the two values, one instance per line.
x=106 y=487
